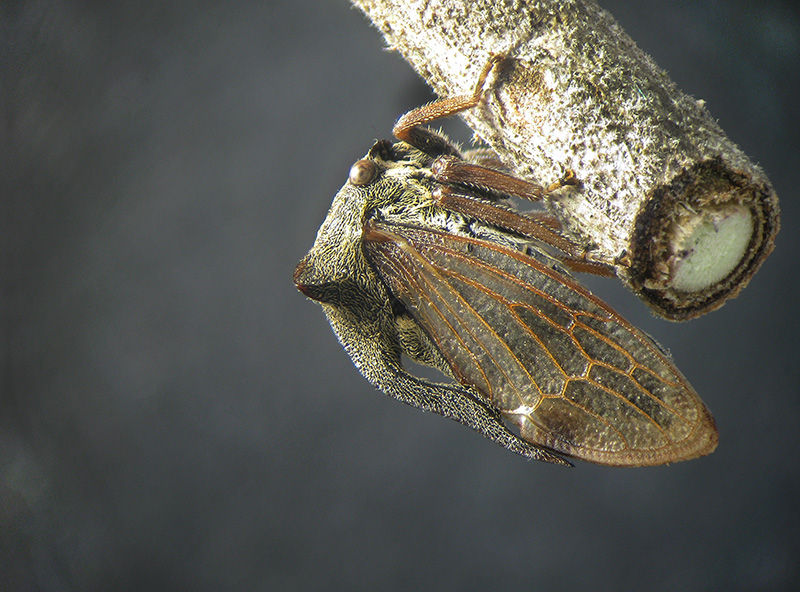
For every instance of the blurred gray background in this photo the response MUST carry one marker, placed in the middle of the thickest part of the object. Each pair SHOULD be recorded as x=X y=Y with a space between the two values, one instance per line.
x=174 y=415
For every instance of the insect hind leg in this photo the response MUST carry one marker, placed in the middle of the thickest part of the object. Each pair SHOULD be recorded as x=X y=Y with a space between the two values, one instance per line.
x=541 y=227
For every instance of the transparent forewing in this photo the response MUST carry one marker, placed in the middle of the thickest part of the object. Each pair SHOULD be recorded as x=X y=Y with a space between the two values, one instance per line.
x=555 y=360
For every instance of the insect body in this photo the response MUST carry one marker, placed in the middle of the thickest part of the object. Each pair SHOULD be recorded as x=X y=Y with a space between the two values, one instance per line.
x=419 y=255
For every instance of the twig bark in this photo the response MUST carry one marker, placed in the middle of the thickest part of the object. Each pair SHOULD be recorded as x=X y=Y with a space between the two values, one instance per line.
x=664 y=195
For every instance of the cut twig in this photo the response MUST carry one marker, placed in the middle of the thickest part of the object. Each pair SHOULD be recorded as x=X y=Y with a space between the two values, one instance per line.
x=664 y=196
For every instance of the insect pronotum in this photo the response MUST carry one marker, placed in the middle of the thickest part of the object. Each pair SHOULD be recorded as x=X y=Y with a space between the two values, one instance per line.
x=422 y=255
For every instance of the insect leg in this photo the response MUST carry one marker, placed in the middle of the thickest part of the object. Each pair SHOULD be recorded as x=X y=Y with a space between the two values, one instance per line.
x=409 y=127
x=447 y=169
x=535 y=226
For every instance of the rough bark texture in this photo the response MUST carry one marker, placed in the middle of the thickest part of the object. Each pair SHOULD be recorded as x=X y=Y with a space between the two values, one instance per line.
x=664 y=195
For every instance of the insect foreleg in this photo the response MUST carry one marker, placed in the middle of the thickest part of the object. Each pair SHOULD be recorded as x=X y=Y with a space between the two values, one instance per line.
x=447 y=169
x=535 y=226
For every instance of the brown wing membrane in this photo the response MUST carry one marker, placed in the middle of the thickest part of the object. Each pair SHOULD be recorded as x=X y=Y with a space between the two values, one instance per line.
x=556 y=361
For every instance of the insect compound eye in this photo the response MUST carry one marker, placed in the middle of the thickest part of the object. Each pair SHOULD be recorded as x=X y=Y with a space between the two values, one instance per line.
x=362 y=172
